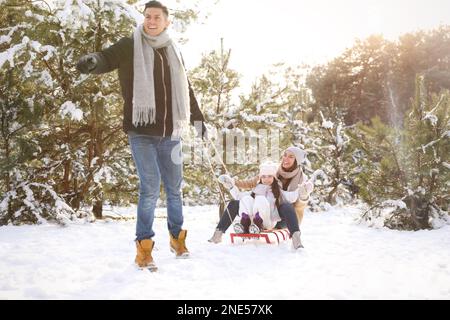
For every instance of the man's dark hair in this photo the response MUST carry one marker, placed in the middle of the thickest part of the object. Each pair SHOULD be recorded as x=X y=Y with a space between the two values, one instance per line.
x=157 y=4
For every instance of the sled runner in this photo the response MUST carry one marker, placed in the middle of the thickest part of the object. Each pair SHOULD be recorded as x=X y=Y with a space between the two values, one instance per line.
x=270 y=236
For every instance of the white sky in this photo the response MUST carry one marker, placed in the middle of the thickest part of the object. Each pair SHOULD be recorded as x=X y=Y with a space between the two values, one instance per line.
x=263 y=32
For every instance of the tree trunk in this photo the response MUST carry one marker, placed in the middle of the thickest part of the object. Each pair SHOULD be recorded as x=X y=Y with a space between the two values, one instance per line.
x=332 y=195
x=97 y=140
x=66 y=178
x=75 y=202
x=10 y=212
x=97 y=209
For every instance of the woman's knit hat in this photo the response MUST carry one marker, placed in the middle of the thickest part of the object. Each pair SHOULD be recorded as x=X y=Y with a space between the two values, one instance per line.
x=299 y=154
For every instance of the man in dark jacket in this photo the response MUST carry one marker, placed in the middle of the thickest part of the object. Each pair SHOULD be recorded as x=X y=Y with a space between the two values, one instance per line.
x=159 y=103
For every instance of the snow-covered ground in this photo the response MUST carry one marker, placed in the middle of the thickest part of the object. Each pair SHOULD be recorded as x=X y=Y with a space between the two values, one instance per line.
x=342 y=260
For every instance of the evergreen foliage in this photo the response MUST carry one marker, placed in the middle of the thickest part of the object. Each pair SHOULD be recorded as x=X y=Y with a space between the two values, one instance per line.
x=404 y=171
x=62 y=138
x=374 y=121
x=376 y=76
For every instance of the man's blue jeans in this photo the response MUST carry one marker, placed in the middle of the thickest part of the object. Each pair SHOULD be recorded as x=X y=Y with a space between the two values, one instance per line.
x=156 y=158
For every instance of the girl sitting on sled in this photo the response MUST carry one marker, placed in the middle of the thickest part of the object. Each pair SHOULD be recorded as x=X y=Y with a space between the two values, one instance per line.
x=258 y=209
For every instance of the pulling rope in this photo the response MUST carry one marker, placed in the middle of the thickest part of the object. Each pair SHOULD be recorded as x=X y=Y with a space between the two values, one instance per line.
x=215 y=177
x=217 y=152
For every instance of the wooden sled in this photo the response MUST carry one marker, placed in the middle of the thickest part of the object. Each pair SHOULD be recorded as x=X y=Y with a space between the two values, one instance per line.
x=270 y=236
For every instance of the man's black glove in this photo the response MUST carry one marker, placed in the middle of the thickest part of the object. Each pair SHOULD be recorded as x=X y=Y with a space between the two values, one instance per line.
x=87 y=63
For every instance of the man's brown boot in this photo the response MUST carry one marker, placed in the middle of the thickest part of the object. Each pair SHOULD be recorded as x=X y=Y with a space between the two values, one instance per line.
x=144 y=257
x=178 y=246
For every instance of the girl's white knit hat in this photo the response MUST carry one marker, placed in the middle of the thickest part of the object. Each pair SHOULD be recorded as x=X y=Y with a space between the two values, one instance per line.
x=268 y=169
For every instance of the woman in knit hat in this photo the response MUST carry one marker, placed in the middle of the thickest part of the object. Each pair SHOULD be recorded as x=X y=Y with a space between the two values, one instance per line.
x=259 y=209
x=291 y=177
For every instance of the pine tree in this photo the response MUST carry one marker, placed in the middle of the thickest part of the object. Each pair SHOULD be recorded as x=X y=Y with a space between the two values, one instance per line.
x=405 y=170
x=330 y=163
x=376 y=75
x=213 y=83
x=270 y=114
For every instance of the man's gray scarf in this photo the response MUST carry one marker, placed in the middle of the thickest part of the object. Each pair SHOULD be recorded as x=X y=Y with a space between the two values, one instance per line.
x=144 y=109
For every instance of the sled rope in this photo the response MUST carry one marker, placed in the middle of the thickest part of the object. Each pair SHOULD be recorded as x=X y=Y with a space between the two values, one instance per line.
x=215 y=177
x=220 y=158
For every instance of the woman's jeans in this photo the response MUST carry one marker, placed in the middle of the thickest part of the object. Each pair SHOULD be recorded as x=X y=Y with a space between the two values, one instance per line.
x=156 y=158
x=286 y=211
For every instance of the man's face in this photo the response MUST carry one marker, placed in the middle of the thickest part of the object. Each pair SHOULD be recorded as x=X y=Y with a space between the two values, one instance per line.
x=155 y=21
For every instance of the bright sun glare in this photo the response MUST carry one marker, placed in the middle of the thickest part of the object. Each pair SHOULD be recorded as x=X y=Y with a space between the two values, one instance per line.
x=263 y=32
